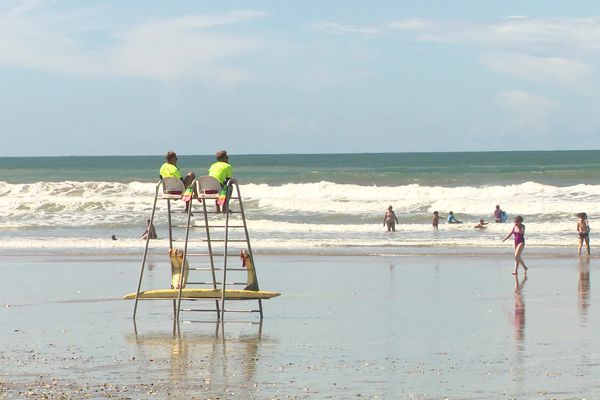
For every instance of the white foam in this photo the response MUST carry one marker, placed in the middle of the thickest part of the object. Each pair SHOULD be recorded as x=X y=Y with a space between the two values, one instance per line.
x=302 y=216
x=529 y=198
x=121 y=199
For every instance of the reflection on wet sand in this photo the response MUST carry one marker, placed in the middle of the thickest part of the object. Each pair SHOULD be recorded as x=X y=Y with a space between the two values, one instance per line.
x=206 y=361
x=584 y=284
x=519 y=326
x=519 y=320
x=583 y=290
x=392 y=284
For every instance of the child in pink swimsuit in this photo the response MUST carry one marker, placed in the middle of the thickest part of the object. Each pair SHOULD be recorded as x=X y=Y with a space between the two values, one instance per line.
x=518 y=231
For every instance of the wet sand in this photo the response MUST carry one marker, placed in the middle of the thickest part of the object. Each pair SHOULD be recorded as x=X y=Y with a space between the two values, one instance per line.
x=415 y=327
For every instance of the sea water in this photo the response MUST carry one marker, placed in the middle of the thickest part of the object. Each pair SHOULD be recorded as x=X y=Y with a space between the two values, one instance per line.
x=309 y=203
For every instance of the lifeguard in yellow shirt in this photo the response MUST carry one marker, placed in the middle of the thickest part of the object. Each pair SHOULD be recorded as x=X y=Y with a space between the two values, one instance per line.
x=170 y=169
x=222 y=171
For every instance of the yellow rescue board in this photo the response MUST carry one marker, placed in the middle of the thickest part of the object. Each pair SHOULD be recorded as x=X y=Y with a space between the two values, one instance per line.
x=202 y=294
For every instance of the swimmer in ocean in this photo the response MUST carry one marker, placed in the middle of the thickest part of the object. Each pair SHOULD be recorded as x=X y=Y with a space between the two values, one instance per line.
x=481 y=225
x=389 y=219
x=452 y=219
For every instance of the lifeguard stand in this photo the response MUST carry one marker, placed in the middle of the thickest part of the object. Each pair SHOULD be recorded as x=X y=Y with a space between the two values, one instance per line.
x=201 y=268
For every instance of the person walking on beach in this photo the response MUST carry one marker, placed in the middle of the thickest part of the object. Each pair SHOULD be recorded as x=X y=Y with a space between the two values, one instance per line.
x=583 y=228
x=452 y=219
x=436 y=220
x=222 y=171
x=518 y=231
x=389 y=219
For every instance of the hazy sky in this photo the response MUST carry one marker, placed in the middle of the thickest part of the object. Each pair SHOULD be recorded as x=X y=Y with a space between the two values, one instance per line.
x=140 y=77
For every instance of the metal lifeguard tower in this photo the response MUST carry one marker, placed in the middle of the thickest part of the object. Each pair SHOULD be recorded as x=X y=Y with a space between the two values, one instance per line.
x=200 y=252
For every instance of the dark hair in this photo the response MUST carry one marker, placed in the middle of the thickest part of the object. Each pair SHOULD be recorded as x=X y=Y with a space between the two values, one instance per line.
x=171 y=155
x=222 y=155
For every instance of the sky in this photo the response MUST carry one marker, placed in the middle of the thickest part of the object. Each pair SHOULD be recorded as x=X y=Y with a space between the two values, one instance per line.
x=260 y=77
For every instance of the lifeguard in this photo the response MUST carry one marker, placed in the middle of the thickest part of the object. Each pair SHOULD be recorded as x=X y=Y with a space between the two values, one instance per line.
x=222 y=171
x=170 y=169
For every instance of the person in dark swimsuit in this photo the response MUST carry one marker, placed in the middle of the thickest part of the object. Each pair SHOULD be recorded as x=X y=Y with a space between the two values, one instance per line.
x=435 y=221
x=390 y=220
x=583 y=228
x=518 y=231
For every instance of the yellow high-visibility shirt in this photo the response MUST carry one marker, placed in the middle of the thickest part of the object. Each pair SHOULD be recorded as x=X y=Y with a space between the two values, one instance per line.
x=221 y=171
x=167 y=170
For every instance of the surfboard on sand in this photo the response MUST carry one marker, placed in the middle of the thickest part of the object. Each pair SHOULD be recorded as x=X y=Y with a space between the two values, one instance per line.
x=203 y=294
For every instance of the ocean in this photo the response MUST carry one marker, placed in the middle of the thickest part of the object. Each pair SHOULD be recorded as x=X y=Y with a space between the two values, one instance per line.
x=309 y=203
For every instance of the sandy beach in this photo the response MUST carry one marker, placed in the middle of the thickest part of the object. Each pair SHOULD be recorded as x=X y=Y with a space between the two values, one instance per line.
x=345 y=327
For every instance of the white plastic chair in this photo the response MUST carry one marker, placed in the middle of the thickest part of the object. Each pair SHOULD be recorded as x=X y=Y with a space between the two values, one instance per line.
x=173 y=188
x=208 y=187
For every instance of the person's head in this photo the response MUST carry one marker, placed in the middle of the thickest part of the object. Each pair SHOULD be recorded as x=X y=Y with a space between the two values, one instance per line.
x=148 y=221
x=518 y=219
x=222 y=156
x=497 y=206
x=435 y=213
x=582 y=215
x=481 y=221
x=171 y=157
x=390 y=208
x=451 y=213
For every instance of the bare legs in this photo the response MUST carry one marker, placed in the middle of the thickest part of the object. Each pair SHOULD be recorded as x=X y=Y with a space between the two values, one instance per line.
x=518 y=259
x=587 y=244
x=187 y=181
